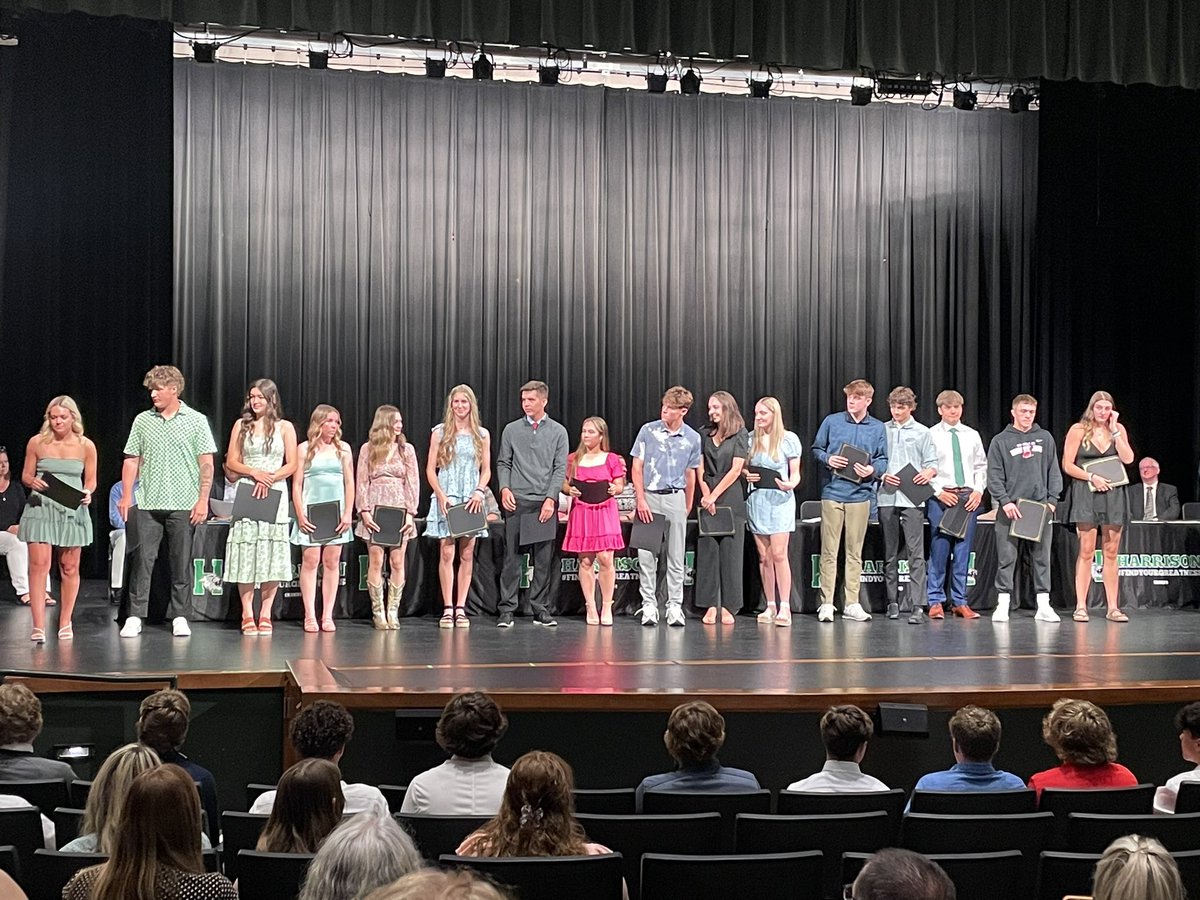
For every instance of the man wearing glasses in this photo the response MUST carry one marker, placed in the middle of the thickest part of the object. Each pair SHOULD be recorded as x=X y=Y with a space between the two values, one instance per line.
x=1153 y=501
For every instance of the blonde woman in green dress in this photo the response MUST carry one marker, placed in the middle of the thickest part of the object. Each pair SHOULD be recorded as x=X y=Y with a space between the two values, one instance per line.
x=262 y=453
x=59 y=449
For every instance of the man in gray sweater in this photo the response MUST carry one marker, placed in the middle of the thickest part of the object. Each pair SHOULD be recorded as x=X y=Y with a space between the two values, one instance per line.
x=531 y=467
x=1023 y=465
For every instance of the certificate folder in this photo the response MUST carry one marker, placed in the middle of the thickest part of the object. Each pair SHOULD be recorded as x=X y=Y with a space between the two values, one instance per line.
x=593 y=492
x=648 y=536
x=766 y=477
x=853 y=455
x=462 y=523
x=61 y=492
x=534 y=531
x=1033 y=520
x=917 y=493
x=717 y=524
x=247 y=506
x=956 y=518
x=390 y=520
x=324 y=518
x=1109 y=468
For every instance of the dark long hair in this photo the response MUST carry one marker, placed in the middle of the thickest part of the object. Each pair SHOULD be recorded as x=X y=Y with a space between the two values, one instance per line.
x=537 y=814
x=271 y=417
x=308 y=805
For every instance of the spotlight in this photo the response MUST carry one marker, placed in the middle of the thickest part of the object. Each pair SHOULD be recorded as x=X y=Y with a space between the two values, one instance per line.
x=903 y=87
x=861 y=94
x=204 y=53
x=481 y=68
x=435 y=68
x=656 y=82
x=548 y=75
x=1018 y=100
x=318 y=59
x=689 y=82
x=964 y=100
x=760 y=84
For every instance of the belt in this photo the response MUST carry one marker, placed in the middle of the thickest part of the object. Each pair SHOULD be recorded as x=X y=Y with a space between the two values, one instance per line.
x=666 y=491
x=960 y=490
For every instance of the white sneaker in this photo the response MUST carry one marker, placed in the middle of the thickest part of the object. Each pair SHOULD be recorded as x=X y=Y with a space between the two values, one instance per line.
x=649 y=615
x=675 y=615
x=1003 y=603
x=132 y=627
x=180 y=627
x=855 y=612
x=825 y=612
x=1045 y=613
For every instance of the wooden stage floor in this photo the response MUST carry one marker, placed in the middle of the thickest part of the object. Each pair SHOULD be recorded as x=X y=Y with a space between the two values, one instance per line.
x=748 y=667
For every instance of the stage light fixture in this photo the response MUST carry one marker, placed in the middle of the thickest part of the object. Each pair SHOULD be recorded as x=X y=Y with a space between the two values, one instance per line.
x=656 y=82
x=964 y=99
x=861 y=94
x=760 y=83
x=204 y=52
x=482 y=67
x=903 y=87
x=548 y=74
x=1019 y=99
x=435 y=68
x=318 y=59
x=689 y=82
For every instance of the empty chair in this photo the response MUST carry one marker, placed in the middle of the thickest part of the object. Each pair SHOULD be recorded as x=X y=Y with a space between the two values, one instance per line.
x=767 y=876
x=549 y=877
x=271 y=876
x=1093 y=832
x=1135 y=800
x=255 y=790
x=1188 y=799
x=639 y=833
x=810 y=509
x=1028 y=833
x=66 y=824
x=816 y=803
x=976 y=876
x=394 y=795
x=9 y=863
x=44 y=794
x=439 y=835
x=728 y=804
x=974 y=803
x=52 y=870
x=78 y=792
x=239 y=832
x=832 y=835
x=1190 y=511
x=1060 y=874
x=21 y=828
x=606 y=801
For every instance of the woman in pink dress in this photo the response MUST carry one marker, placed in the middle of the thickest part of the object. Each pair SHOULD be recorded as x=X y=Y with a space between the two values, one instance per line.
x=594 y=529
x=387 y=476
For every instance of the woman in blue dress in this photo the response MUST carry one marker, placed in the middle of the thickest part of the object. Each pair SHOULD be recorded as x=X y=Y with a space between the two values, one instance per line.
x=771 y=510
x=458 y=469
x=325 y=474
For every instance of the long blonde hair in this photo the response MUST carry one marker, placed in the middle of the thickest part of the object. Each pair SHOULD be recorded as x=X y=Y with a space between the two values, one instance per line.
x=70 y=406
x=1088 y=419
x=381 y=437
x=315 y=421
x=774 y=437
x=601 y=426
x=102 y=814
x=271 y=417
x=450 y=428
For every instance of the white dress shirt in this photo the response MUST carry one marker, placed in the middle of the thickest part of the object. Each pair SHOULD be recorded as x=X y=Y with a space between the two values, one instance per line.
x=974 y=457
x=1165 y=796
x=838 y=777
x=458 y=787
x=358 y=797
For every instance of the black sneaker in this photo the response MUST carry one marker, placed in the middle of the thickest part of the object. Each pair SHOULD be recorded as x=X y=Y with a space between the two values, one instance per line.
x=544 y=619
x=505 y=620
x=893 y=611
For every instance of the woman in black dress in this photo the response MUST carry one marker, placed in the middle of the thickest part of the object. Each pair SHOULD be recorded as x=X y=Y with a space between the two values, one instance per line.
x=724 y=449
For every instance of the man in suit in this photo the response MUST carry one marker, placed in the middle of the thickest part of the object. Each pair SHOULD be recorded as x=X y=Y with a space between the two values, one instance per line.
x=1153 y=501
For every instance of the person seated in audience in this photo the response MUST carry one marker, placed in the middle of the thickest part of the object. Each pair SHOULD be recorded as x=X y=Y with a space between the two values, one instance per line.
x=308 y=805
x=437 y=884
x=470 y=782
x=365 y=852
x=845 y=732
x=893 y=874
x=974 y=738
x=1137 y=868
x=1187 y=723
x=695 y=732
x=162 y=726
x=537 y=815
x=157 y=849
x=20 y=724
x=1082 y=737
x=10 y=890
x=321 y=731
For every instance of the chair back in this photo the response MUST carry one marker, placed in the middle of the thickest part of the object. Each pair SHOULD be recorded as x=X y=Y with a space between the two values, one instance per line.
x=832 y=835
x=437 y=836
x=1188 y=798
x=727 y=803
x=21 y=829
x=1028 y=833
x=810 y=509
x=606 y=801
x=67 y=824
x=763 y=876
x=271 y=876
x=549 y=877
x=976 y=876
x=1093 y=832
x=394 y=795
x=78 y=792
x=9 y=864
x=45 y=794
x=639 y=833
x=1114 y=801
x=1061 y=874
x=1190 y=511
x=239 y=831
x=818 y=803
x=974 y=803
x=52 y=870
x=254 y=790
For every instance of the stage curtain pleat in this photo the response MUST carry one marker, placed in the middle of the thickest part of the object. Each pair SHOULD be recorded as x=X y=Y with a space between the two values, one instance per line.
x=366 y=239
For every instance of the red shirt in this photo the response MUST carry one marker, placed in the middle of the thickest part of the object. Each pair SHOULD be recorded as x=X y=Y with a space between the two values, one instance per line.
x=1069 y=775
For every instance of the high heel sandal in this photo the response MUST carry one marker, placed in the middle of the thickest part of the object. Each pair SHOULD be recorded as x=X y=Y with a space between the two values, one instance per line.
x=447 y=619
x=310 y=625
x=249 y=629
x=66 y=633
x=38 y=635
x=460 y=617
x=606 y=617
x=767 y=616
x=590 y=614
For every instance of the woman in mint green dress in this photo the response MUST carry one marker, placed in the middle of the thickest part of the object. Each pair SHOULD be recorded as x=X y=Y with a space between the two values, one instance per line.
x=60 y=450
x=262 y=453
x=325 y=474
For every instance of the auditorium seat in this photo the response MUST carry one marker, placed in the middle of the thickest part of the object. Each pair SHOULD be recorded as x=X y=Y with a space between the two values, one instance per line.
x=816 y=803
x=239 y=831
x=394 y=795
x=78 y=794
x=1028 y=833
x=52 y=870
x=727 y=803
x=438 y=835
x=976 y=876
x=639 y=833
x=9 y=864
x=1188 y=799
x=44 y=794
x=67 y=823
x=549 y=877
x=974 y=803
x=1061 y=873
x=766 y=876
x=832 y=835
x=1138 y=800
x=21 y=828
x=254 y=791
x=606 y=801
x=271 y=876
x=1093 y=832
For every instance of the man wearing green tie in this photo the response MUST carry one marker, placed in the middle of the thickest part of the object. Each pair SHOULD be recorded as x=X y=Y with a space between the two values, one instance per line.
x=961 y=478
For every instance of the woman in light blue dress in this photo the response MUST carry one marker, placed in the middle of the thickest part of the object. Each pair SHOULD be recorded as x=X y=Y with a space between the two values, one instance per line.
x=325 y=474
x=458 y=469
x=771 y=511
x=262 y=453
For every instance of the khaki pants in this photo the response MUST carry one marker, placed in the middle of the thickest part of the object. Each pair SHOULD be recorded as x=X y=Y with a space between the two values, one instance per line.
x=853 y=517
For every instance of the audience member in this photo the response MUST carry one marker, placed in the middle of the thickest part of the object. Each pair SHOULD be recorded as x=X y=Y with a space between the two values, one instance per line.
x=1187 y=723
x=1153 y=500
x=157 y=850
x=308 y=806
x=537 y=815
x=20 y=724
x=470 y=782
x=1137 y=868
x=695 y=732
x=893 y=874
x=102 y=813
x=321 y=731
x=974 y=738
x=845 y=732
x=1082 y=737
x=365 y=852
x=10 y=890
x=162 y=726
x=436 y=884
x=14 y=550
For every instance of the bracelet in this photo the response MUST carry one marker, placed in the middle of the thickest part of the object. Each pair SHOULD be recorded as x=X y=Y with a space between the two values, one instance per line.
x=478 y=490
x=1116 y=434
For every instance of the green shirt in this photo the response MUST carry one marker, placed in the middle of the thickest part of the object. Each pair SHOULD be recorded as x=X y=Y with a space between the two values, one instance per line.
x=169 y=478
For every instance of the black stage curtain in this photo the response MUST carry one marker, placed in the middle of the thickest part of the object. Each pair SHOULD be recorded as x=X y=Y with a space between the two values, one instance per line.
x=366 y=239
x=87 y=263
x=1151 y=41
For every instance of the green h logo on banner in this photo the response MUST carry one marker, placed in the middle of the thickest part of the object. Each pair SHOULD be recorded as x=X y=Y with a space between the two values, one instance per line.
x=1098 y=567
x=204 y=582
x=526 y=571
